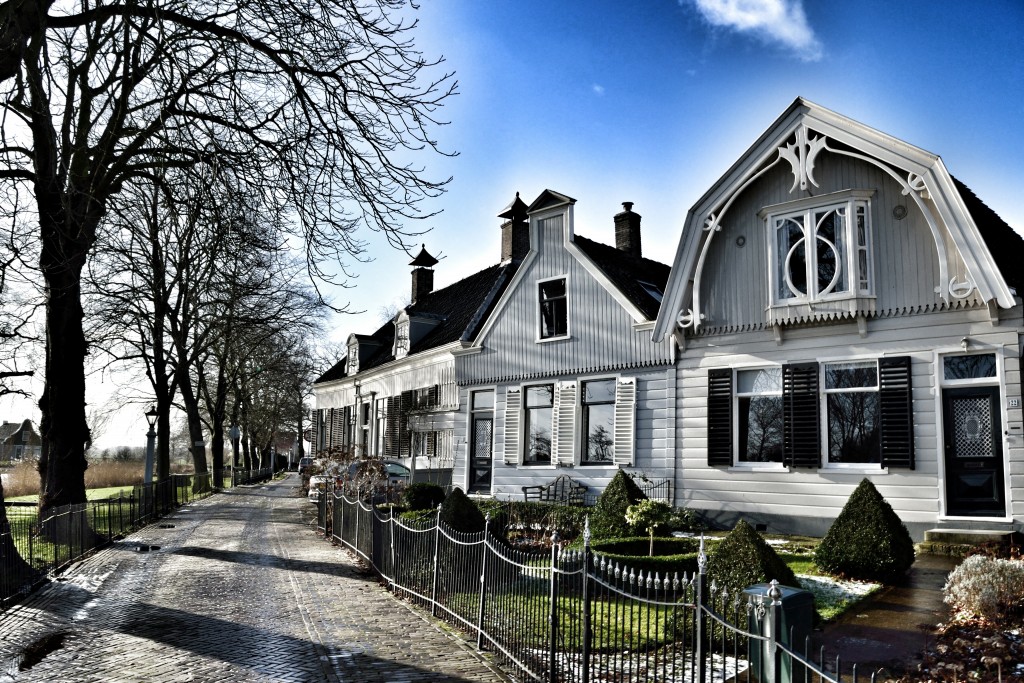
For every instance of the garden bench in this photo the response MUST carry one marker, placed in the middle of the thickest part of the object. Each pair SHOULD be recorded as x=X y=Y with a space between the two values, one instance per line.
x=562 y=489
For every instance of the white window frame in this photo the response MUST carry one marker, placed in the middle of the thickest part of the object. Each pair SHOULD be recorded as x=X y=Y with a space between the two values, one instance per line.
x=539 y=314
x=851 y=200
x=736 y=440
x=824 y=392
x=525 y=424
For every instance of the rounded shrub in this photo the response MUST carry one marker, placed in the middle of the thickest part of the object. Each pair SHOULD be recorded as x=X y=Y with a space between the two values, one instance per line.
x=608 y=518
x=422 y=496
x=867 y=541
x=743 y=559
x=461 y=514
x=986 y=587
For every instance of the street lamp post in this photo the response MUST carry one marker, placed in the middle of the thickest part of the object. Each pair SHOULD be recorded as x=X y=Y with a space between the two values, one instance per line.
x=151 y=417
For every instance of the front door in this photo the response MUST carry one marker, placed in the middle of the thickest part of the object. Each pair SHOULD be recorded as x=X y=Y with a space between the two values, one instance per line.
x=480 y=455
x=974 y=452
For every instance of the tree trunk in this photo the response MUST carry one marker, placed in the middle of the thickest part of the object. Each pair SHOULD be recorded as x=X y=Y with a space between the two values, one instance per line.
x=16 y=571
x=195 y=435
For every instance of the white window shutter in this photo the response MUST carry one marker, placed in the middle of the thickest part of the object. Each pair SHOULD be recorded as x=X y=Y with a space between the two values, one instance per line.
x=563 y=431
x=513 y=419
x=625 y=420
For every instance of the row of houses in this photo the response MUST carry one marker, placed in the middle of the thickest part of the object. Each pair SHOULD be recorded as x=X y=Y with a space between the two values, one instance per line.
x=839 y=307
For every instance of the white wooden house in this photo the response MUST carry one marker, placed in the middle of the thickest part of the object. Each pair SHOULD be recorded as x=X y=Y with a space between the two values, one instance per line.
x=563 y=377
x=844 y=308
x=393 y=395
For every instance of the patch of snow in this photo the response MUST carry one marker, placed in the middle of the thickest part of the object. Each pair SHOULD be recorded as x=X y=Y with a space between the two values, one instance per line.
x=833 y=591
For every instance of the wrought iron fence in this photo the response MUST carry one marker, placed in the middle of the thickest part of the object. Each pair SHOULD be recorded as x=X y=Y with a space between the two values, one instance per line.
x=242 y=477
x=33 y=548
x=569 y=616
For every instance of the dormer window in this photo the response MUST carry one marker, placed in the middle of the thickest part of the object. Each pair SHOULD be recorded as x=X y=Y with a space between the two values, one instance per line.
x=820 y=248
x=353 y=358
x=401 y=338
x=554 y=308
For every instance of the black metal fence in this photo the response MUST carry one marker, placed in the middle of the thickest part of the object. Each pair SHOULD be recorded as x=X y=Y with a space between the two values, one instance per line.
x=31 y=549
x=570 y=616
x=242 y=477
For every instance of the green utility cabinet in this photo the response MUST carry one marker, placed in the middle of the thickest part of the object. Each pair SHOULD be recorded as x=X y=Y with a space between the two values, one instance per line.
x=797 y=622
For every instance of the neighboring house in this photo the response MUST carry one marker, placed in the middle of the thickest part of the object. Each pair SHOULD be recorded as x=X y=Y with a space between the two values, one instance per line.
x=563 y=377
x=844 y=309
x=394 y=394
x=19 y=441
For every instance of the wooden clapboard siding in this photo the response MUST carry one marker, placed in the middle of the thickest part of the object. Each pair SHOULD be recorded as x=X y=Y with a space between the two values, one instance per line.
x=654 y=441
x=734 y=285
x=601 y=331
x=915 y=494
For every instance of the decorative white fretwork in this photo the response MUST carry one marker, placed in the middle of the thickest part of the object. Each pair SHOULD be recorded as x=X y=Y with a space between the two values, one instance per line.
x=961 y=290
x=711 y=223
x=916 y=183
x=686 y=318
x=801 y=155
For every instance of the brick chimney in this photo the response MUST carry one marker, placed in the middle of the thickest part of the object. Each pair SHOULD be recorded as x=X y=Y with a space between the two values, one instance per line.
x=422 y=274
x=627 y=230
x=515 y=231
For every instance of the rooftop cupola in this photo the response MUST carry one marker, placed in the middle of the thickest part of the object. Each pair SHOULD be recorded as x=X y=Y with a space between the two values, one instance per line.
x=627 y=230
x=515 y=231
x=422 y=274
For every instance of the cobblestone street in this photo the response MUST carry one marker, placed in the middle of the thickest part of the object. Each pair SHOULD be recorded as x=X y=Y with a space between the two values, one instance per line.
x=237 y=587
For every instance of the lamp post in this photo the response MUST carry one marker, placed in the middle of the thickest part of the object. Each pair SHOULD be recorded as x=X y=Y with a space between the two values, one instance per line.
x=151 y=417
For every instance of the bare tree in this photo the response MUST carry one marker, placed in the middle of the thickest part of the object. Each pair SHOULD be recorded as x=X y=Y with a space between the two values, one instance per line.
x=316 y=103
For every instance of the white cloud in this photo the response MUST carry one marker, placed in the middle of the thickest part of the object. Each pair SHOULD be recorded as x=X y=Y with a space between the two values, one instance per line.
x=598 y=89
x=782 y=22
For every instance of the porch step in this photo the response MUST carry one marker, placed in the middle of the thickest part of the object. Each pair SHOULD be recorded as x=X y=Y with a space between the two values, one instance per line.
x=958 y=541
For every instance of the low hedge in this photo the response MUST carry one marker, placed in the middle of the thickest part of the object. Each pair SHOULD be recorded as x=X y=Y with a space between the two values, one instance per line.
x=671 y=555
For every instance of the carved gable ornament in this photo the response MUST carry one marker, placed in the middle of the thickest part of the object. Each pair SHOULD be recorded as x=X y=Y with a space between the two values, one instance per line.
x=797 y=142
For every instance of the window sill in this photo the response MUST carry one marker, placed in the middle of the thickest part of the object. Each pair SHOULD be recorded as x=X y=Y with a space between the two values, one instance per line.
x=857 y=468
x=597 y=465
x=545 y=340
x=759 y=467
x=538 y=465
x=781 y=313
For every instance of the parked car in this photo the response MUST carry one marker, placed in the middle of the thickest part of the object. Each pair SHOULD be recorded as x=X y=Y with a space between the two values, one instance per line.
x=395 y=472
x=305 y=468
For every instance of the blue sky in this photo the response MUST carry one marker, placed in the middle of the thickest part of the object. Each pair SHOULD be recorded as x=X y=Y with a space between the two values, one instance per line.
x=652 y=101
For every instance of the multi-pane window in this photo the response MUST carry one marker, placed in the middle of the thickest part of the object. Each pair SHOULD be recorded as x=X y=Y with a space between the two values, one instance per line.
x=759 y=414
x=821 y=253
x=598 y=421
x=853 y=412
x=537 y=413
x=554 y=309
x=851 y=405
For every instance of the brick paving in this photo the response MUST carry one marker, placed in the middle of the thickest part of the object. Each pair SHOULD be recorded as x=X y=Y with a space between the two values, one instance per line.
x=239 y=589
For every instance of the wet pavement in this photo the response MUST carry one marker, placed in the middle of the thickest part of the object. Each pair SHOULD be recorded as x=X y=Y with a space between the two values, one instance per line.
x=891 y=628
x=236 y=587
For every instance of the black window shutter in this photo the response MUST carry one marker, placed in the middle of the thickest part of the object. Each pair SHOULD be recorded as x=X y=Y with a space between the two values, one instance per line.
x=391 y=422
x=896 y=412
x=432 y=396
x=720 y=417
x=800 y=424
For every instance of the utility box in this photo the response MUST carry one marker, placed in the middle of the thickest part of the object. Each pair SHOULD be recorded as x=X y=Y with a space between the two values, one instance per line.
x=797 y=622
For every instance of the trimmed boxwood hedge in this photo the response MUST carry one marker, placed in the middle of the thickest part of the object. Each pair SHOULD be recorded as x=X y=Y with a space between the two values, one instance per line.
x=671 y=555
x=743 y=559
x=461 y=514
x=422 y=496
x=608 y=517
x=867 y=541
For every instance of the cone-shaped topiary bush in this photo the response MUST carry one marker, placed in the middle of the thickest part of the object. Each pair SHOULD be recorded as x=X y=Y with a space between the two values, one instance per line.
x=867 y=541
x=462 y=514
x=608 y=519
x=743 y=559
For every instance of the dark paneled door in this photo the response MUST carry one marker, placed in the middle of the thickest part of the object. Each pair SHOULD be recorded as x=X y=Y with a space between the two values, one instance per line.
x=974 y=452
x=480 y=459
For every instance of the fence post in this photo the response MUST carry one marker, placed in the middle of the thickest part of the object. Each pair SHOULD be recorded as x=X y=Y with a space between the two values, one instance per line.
x=437 y=549
x=340 y=531
x=553 y=612
x=702 y=602
x=774 y=651
x=483 y=580
x=394 y=567
x=587 y=635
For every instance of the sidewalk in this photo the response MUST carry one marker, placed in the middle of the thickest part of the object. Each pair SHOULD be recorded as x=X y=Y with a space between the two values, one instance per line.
x=890 y=629
x=234 y=587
